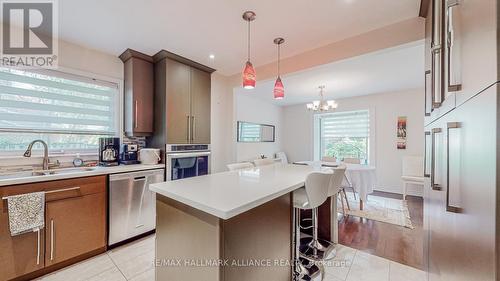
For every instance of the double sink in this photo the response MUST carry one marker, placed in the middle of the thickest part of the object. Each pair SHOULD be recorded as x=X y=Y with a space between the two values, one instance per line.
x=41 y=173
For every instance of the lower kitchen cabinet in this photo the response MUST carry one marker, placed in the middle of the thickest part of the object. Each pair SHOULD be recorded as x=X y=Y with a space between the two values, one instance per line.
x=75 y=226
x=19 y=254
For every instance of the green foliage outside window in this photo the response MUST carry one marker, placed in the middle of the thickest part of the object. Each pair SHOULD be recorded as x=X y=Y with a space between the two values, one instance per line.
x=341 y=148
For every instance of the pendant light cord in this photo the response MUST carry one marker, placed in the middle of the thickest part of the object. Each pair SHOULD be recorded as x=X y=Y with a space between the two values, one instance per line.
x=279 y=48
x=248 y=41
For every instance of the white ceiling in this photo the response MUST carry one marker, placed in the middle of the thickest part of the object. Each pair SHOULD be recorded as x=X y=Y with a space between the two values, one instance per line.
x=394 y=69
x=197 y=28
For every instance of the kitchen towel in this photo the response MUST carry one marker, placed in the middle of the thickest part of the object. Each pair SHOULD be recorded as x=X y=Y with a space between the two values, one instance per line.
x=26 y=212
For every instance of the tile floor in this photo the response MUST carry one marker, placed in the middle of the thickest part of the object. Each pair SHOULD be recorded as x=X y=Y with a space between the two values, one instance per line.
x=134 y=262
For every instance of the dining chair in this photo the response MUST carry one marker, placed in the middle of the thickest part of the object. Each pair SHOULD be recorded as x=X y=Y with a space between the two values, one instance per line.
x=413 y=172
x=337 y=188
x=239 y=166
x=282 y=156
x=263 y=162
x=352 y=160
x=328 y=159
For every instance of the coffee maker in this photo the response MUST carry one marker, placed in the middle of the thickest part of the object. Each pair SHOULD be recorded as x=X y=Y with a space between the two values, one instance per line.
x=109 y=150
x=128 y=155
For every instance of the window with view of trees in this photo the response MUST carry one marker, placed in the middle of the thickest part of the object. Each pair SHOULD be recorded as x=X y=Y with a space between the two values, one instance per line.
x=344 y=134
x=69 y=112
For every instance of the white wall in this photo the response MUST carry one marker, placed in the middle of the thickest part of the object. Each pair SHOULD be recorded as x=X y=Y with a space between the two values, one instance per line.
x=252 y=109
x=221 y=123
x=384 y=111
x=82 y=59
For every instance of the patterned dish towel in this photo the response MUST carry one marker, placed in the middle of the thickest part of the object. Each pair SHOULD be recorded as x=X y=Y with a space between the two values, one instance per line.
x=26 y=212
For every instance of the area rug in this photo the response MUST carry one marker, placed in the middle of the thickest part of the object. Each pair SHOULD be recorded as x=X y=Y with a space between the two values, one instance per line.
x=388 y=210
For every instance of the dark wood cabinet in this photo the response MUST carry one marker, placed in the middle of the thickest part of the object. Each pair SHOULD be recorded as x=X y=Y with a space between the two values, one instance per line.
x=178 y=113
x=19 y=255
x=182 y=101
x=75 y=225
x=200 y=106
x=139 y=93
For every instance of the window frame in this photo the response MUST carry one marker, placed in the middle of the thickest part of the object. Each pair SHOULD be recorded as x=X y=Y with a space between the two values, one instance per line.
x=66 y=72
x=317 y=139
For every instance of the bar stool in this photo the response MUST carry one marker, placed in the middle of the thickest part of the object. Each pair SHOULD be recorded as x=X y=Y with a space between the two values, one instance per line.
x=320 y=249
x=314 y=194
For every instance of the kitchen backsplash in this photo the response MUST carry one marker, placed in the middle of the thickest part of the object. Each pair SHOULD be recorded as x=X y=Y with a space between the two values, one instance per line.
x=17 y=163
x=141 y=141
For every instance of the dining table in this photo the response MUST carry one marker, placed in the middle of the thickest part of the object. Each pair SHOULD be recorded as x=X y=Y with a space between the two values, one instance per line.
x=360 y=177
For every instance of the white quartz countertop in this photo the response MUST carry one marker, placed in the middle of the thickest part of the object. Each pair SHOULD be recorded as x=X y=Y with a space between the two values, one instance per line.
x=229 y=194
x=20 y=178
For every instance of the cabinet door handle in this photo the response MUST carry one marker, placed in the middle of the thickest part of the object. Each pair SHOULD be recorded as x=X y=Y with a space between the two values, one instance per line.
x=51 y=239
x=449 y=208
x=193 y=128
x=188 y=128
x=433 y=158
x=135 y=115
x=37 y=246
x=437 y=93
x=62 y=190
x=450 y=32
x=427 y=91
x=436 y=53
x=427 y=134
x=141 y=203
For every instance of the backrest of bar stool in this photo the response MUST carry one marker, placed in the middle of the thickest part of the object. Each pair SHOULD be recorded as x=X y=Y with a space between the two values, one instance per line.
x=317 y=186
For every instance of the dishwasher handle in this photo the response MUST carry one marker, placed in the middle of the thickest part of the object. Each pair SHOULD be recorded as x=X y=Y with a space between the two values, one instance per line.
x=140 y=175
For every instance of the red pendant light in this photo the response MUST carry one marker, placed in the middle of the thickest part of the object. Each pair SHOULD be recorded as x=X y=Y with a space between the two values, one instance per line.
x=279 y=90
x=249 y=76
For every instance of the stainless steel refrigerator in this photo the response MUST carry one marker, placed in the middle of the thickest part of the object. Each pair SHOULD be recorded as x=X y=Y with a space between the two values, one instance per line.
x=461 y=127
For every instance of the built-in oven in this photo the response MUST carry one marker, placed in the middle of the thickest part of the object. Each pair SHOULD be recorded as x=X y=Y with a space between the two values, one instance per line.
x=187 y=160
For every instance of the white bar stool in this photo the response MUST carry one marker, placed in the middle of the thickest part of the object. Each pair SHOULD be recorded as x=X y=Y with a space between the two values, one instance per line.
x=310 y=197
x=320 y=249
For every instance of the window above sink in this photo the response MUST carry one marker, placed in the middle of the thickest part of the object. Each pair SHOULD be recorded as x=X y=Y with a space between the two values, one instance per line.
x=69 y=112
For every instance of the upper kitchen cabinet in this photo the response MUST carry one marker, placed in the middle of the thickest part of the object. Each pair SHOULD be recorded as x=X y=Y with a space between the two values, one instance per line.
x=438 y=99
x=460 y=52
x=139 y=93
x=471 y=52
x=200 y=106
x=182 y=101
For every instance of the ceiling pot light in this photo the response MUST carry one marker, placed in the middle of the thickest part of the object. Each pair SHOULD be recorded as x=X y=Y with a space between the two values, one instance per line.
x=249 y=76
x=211 y=56
x=279 y=90
x=322 y=104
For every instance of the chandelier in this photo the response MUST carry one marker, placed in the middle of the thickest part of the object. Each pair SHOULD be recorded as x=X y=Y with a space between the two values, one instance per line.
x=322 y=104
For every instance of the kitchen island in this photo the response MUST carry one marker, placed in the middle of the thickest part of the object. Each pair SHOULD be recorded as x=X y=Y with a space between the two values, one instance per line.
x=233 y=225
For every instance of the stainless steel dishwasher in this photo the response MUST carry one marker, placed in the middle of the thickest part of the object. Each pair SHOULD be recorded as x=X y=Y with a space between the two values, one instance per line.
x=132 y=206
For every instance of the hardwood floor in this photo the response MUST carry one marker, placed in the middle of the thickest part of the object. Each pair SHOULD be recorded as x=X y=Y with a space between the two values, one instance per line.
x=396 y=243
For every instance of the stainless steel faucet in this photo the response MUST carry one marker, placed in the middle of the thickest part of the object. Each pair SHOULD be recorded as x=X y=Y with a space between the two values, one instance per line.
x=45 y=152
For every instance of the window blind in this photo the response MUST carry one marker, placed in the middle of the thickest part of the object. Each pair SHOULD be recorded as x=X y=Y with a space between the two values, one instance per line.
x=53 y=102
x=345 y=124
